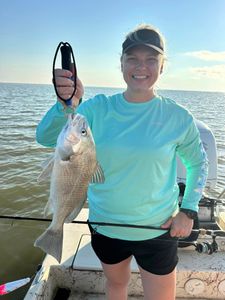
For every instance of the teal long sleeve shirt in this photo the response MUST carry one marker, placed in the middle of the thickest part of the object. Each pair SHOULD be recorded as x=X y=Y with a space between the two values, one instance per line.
x=137 y=145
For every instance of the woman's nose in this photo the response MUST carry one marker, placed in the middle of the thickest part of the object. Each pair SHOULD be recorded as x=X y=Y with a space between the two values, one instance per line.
x=141 y=64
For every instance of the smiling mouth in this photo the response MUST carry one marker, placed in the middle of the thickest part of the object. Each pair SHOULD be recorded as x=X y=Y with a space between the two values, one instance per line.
x=139 y=76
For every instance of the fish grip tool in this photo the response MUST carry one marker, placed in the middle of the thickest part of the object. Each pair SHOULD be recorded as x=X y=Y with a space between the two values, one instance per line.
x=67 y=63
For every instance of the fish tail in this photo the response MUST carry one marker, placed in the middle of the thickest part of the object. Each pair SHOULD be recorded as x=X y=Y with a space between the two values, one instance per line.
x=51 y=242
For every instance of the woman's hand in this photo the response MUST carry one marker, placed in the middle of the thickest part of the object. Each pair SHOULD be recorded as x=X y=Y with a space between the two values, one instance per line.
x=65 y=87
x=180 y=225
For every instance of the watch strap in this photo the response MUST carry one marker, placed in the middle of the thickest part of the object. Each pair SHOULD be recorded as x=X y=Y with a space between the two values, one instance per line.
x=191 y=214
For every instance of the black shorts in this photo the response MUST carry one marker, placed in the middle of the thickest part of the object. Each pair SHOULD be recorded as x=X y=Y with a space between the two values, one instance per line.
x=157 y=256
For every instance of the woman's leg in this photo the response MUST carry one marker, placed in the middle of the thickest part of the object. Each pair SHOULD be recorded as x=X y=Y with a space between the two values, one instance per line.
x=117 y=279
x=158 y=287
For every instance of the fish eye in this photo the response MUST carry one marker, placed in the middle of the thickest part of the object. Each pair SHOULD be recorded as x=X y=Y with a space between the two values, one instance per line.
x=83 y=132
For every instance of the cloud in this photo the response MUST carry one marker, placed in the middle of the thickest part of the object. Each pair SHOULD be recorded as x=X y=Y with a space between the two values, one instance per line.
x=214 y=72
x=207 y=55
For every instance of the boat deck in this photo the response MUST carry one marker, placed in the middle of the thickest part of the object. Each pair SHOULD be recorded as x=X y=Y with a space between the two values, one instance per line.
x=199 y=276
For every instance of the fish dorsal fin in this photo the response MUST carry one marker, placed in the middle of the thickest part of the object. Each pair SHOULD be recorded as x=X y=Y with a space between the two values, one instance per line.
x=98 y=176
x=47 y=169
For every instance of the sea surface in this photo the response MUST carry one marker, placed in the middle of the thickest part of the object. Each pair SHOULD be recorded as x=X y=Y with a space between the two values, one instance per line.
x=21 y=108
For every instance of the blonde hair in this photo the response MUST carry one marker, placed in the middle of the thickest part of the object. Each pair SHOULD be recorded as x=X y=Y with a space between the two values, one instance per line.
x=148 y=27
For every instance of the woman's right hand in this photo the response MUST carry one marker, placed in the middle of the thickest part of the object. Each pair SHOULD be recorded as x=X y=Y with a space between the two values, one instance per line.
x=65 y=87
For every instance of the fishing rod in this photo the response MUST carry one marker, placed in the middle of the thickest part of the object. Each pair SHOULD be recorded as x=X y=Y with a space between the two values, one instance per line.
x=200 y=247
x=201 y=231
x=23 y=218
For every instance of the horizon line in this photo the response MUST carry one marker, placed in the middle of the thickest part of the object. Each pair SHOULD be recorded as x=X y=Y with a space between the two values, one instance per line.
x=114 y=87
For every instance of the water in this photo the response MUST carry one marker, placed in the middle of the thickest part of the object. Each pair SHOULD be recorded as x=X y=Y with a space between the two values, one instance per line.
x=22 y=106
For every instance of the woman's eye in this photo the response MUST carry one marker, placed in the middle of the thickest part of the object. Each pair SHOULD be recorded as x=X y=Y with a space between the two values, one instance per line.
x=131 y=59
x=152 y=60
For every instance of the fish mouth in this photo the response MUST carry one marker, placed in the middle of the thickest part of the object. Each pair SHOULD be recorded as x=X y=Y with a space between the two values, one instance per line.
x=76 y=147
x=72 y=139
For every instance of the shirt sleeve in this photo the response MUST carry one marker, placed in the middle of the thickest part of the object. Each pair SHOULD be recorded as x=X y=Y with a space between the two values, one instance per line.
x=52 y=123
x=192 y=154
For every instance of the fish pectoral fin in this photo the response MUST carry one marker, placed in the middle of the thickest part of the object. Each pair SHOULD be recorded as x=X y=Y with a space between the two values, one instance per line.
x=46 y=162
x=98 y=176
x=47 y=169
x=76 y=211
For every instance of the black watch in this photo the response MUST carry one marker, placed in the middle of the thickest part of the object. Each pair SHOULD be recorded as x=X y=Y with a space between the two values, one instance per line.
x=191 y=214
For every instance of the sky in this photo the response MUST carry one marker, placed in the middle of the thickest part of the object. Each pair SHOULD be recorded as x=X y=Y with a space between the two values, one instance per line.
x=194 y=30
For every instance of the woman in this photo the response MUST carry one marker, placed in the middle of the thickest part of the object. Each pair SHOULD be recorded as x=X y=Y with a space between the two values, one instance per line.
x=138 y=135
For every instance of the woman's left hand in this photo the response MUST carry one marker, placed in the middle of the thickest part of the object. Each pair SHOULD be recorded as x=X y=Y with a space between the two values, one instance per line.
x=180 y=225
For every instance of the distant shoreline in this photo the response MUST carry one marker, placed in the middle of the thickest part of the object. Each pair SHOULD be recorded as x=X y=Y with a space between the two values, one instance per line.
x=107 y=87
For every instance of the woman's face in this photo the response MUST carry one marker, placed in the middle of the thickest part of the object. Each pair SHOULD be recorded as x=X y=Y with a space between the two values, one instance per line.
x=141 y=67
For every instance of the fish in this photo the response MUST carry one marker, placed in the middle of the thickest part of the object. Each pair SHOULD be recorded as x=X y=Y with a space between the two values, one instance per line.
x=72 y=168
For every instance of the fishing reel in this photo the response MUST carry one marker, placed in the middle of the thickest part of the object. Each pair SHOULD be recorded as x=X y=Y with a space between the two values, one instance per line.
x=207 y=247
